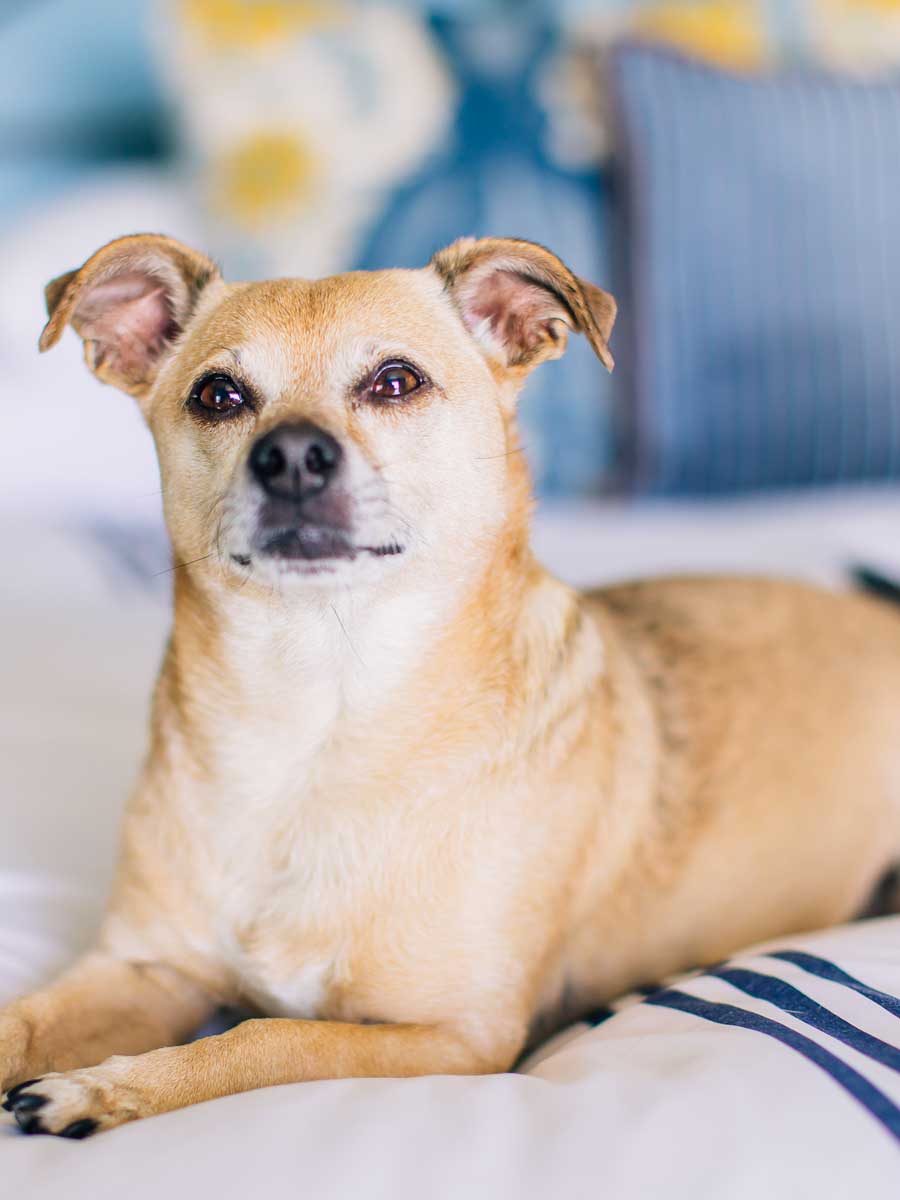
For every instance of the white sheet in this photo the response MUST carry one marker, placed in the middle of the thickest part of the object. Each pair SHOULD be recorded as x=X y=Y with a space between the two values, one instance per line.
x=652 y=1103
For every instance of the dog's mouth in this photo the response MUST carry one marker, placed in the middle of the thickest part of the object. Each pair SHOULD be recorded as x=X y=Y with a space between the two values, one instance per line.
x=315 y=544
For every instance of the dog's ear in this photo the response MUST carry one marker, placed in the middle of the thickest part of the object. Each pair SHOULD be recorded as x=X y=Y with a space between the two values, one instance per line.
x=128 y=303
x=519 y=301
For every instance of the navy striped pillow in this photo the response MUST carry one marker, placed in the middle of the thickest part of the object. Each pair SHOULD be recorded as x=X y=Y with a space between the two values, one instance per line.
x=762 y=298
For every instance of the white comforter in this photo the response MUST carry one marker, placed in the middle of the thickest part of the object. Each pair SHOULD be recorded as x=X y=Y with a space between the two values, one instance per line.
x=656 y=1101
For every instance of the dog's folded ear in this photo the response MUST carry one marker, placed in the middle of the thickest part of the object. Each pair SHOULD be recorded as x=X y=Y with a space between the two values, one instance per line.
x=128 y=303
x=519 y=301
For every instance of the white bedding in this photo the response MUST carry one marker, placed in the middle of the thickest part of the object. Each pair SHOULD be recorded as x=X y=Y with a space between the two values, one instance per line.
x=653 y=1102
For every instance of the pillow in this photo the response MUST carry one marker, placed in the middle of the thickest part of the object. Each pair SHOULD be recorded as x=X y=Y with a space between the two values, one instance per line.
x=763 y=282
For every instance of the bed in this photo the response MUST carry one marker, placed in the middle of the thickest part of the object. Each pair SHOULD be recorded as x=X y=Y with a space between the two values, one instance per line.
x=778 y=1074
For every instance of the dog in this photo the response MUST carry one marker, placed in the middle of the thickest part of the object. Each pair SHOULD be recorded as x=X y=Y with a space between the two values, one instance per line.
x=409 y=799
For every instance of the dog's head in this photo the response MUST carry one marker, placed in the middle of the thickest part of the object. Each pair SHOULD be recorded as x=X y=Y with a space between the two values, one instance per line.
x=329 y=431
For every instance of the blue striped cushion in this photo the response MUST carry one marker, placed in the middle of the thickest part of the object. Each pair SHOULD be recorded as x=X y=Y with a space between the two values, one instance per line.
x=805 y=1031
x=761 y=344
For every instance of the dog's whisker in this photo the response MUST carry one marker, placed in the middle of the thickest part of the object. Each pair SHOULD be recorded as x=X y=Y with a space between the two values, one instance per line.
x=190 y=563
x=347 y=635
x=219 y=555
x=405 y=527
x=412 y=533
x=217 y=503
x=505 y=454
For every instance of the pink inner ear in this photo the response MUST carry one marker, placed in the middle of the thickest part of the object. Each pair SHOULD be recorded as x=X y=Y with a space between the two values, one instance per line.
x=517 y=312
x=130 y=321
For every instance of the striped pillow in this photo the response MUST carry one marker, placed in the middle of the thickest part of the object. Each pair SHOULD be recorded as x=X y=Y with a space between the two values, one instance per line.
x=763 y=286
x=782 y=1062
x=795 y=998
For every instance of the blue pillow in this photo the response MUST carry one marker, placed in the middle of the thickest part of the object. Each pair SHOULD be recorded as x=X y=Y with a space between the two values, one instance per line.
x=761 y=340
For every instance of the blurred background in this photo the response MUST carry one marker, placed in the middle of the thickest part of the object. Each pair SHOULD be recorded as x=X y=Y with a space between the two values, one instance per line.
x=729 y=168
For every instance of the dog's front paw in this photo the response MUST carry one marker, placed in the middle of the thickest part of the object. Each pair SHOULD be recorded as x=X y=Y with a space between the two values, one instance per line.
x=74 y=1104
x=15 y=1037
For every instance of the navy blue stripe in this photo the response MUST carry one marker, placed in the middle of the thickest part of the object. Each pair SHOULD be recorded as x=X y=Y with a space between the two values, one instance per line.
x=827 y=970
x=598 y=1015
x=804 y=1008
x=880 y=1106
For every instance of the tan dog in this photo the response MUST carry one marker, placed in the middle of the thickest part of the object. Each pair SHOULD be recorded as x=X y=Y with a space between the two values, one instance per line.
x=406 y=794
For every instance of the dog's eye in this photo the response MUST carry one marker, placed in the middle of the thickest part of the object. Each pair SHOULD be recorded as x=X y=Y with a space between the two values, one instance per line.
x=394 y=381
x=217 y=396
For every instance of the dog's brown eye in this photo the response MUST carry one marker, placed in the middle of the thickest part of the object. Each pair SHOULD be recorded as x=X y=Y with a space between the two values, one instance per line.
x=217 y=396
x=394 y=381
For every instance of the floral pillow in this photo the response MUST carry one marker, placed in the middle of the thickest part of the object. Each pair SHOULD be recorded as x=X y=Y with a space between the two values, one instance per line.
x=330 y=136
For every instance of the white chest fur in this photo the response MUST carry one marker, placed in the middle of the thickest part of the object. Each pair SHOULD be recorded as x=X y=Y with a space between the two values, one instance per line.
x=300 y=892
x=297 y=854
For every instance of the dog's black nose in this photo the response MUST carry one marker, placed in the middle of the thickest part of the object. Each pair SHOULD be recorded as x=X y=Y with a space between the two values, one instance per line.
x=292 y=462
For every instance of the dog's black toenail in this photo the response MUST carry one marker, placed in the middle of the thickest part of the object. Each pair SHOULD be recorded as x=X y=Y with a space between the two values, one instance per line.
x=14 y=1091
x=79 y=1129
x=24 y=1109
x=28 y=1122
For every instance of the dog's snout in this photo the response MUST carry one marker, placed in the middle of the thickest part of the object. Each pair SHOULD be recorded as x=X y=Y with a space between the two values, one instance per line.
x=295 y=461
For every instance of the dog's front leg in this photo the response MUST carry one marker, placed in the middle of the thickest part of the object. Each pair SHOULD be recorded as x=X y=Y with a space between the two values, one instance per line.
x=256 y=1054
x=102 y=1005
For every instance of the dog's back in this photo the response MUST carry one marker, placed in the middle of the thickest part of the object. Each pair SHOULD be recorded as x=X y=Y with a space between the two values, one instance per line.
x=775 y=738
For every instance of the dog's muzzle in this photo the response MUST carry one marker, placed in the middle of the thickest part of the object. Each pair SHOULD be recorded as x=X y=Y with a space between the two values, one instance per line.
x=305 y=513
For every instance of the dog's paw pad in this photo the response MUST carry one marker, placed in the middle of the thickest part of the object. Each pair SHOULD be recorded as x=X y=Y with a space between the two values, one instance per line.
x=71 y=1105
x=79 y=1129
